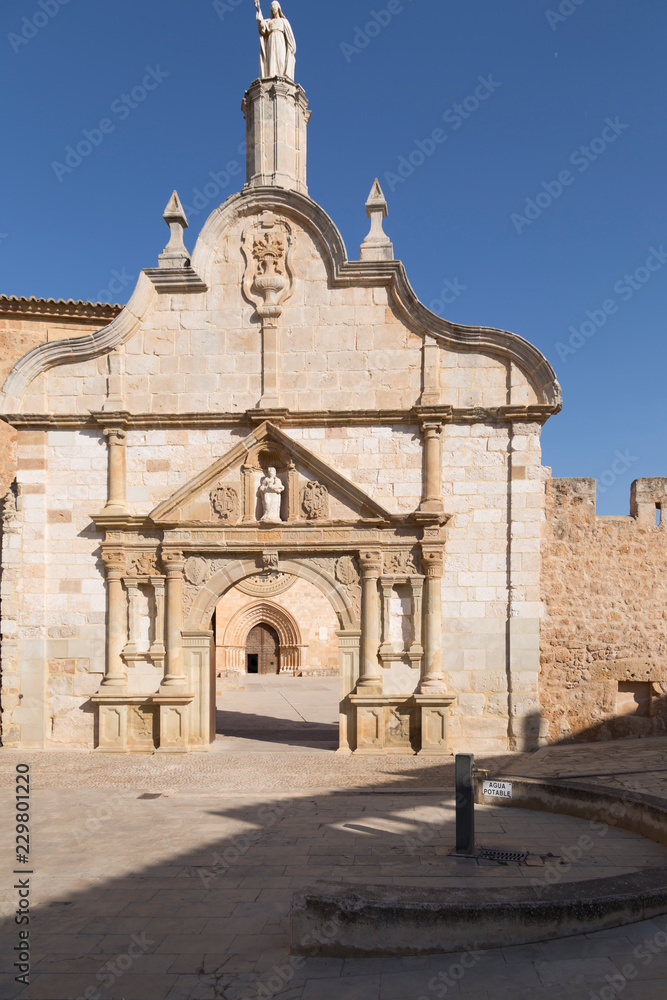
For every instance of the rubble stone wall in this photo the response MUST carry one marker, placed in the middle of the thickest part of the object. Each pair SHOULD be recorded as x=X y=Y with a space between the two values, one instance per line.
x=604 y=634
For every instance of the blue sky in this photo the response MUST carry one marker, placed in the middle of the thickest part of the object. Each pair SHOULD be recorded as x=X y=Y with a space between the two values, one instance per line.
x=571 y=131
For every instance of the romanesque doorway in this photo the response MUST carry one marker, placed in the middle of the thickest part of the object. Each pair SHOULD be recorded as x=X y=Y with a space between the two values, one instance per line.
x=263 y=650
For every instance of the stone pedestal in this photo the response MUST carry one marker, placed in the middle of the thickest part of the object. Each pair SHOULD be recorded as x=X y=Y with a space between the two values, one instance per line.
x=143 y=724
x=395 y=724
x=433 y=713
x=276 y=114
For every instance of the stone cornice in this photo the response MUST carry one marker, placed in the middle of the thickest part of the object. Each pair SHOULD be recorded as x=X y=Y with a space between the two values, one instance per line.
x=16 y=307
x=294 y=418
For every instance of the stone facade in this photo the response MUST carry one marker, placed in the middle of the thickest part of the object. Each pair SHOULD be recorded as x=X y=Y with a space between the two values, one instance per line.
x=27 y=323
x=410 y=515
x=604 y=633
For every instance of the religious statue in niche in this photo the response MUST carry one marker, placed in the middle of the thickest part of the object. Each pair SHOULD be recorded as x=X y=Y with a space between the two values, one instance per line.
x=271 y=490
x=277 y=55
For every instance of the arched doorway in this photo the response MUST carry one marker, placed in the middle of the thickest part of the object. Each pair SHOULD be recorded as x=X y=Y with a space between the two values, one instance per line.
x=335 y=577
x=262 y=650
x=272 y=632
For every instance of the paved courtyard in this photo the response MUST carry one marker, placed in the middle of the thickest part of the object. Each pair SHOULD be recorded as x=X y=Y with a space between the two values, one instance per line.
x=162 y=878
x=277 y=714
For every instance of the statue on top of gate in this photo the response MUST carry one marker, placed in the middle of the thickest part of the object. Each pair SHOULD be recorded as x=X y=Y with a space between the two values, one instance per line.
x=277 y=44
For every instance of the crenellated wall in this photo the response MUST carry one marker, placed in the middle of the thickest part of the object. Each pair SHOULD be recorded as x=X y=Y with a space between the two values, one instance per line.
x=604 y=632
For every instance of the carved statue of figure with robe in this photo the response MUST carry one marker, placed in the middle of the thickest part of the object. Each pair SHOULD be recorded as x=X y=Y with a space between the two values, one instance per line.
x=271 y=489
x=277 y=44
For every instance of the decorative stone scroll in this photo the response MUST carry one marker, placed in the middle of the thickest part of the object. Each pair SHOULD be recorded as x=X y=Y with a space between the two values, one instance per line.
x=315 y=501
x=226 y=504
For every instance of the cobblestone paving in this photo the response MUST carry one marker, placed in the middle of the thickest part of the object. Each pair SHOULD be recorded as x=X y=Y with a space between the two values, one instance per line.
x=163 y=879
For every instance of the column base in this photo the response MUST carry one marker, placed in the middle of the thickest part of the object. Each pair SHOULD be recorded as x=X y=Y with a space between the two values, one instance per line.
x=370 y=687
x=427 y=687
x=115 y=510
x=179 y=683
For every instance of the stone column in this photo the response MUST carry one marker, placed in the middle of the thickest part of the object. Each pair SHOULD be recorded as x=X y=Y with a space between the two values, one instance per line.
x=371 y=567
x=432 y=676
x=432 y=468
x=116 y=502
x=158 y=649
x=174 y=675
x=116 y=670
x=132 y=588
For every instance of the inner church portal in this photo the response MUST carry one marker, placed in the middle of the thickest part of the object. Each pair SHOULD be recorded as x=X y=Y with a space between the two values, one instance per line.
x=275 y=624
x=262 y=650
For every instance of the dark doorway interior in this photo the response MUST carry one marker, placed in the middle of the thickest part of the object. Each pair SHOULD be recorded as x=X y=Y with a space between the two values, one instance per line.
x=263 y=650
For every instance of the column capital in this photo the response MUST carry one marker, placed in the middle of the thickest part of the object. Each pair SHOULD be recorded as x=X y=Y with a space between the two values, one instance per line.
x=114 y=562
x=433 y=561
x=371 y=563
x=173 y=562
x=115 y=435
x=431 y=427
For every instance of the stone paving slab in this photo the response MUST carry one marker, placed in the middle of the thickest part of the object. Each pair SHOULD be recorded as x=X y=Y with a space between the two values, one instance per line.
x=127 y=866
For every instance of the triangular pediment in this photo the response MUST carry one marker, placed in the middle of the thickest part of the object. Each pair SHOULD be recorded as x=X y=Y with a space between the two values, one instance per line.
x=229 y=492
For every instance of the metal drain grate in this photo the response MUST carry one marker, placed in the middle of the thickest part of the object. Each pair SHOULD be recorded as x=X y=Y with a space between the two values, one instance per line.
x=509 y=857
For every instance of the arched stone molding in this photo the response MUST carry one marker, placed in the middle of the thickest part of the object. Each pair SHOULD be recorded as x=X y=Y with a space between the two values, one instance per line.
x=78 y=349
x=238 y=569
x=342 y=273
x=263 y=612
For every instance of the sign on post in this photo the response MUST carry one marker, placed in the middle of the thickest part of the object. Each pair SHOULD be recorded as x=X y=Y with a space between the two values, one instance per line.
x=498 y=789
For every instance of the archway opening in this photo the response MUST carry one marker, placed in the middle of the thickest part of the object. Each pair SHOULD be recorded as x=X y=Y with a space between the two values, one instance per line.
x=277 y=666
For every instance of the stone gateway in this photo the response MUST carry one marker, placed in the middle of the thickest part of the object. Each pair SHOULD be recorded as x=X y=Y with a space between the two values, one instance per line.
x=276 y=459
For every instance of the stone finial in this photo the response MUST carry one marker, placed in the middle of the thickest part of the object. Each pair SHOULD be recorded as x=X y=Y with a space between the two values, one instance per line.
x=377 y=245
x=175 y=253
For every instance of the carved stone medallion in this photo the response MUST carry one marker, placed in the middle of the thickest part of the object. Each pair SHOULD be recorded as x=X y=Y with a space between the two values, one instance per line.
x=226 y=504
x=315 y=501
x=346 y=571
x=197 y=571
